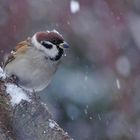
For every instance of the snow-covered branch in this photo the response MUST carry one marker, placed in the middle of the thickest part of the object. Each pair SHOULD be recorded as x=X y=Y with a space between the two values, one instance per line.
x=23 y=117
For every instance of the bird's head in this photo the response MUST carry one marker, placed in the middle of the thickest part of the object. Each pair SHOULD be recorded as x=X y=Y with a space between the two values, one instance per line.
x=51 y=43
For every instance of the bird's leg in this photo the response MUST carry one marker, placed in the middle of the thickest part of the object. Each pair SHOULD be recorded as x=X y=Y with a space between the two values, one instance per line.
x=35 y=96
x=14 y=79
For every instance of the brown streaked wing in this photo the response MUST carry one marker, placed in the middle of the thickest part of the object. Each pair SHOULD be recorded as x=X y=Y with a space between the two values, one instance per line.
x=19 y=49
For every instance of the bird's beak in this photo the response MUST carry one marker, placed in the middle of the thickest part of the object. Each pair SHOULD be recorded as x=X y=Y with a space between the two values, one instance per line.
x=64 y=45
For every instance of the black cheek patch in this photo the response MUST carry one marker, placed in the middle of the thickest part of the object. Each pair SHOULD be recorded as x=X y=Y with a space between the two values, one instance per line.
x=46 y=45
x=59 y=55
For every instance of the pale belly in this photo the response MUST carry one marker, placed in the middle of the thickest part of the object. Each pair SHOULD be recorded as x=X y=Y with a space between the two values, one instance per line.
x=33 y=73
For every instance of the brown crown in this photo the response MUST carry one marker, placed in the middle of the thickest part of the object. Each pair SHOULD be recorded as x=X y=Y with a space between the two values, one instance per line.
x=49 y=36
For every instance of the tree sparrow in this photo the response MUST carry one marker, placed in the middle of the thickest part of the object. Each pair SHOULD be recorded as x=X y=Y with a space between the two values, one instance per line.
x=34 y=61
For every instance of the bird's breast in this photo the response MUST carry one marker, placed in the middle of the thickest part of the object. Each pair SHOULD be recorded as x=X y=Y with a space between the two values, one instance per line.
x=32 y=69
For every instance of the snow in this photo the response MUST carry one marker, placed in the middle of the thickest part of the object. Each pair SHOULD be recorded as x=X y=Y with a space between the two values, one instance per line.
x=134 y=24
x=118 y=83
x=2 y=74
x=16 y=93
x=74 y=6
x=123 y=66
x=51 y=123
x=65 y=54
x=85 y=111
x=90 y=118
x=86 y=78
x=99 y=117
x=47 y=31
x=55 y=31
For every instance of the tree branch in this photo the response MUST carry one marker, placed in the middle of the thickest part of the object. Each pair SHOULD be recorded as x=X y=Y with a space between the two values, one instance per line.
x=27 y=120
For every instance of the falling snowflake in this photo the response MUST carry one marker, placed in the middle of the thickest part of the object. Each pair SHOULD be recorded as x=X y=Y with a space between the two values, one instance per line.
x=74 y=6
x=118 y=83
x=123 y=66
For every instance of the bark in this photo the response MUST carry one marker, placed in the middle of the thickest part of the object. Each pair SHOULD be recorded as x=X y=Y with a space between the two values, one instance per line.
x=4 y=136
x=27 y=120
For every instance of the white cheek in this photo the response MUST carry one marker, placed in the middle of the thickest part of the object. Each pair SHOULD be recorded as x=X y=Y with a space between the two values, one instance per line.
x=49 y=52
x=35 y=42
x=52 y=52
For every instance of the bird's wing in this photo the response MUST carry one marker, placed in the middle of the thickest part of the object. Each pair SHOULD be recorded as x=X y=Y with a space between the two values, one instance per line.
x=21 y=47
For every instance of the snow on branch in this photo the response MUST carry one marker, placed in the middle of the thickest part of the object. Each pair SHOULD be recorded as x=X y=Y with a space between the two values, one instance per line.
x=23 y=117
x=16 y=93
x=2 y=74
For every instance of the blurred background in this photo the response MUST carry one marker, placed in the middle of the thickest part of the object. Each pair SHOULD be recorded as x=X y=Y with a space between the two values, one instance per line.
x=95 y=94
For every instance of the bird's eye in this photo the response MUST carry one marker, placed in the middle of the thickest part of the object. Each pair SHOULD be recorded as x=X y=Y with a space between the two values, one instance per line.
x=54 y=42
x=46 y=45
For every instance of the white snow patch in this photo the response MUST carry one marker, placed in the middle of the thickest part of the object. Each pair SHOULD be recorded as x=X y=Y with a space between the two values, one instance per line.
x=55 y=31
x=2 y=74
x=118 y=83
x=52 y=124
x=74 y=6
x=123 y=66
x=16 y=93
x=47 y=31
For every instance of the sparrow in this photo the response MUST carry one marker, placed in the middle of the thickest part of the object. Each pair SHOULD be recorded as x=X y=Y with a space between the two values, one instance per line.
x=34 y=61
